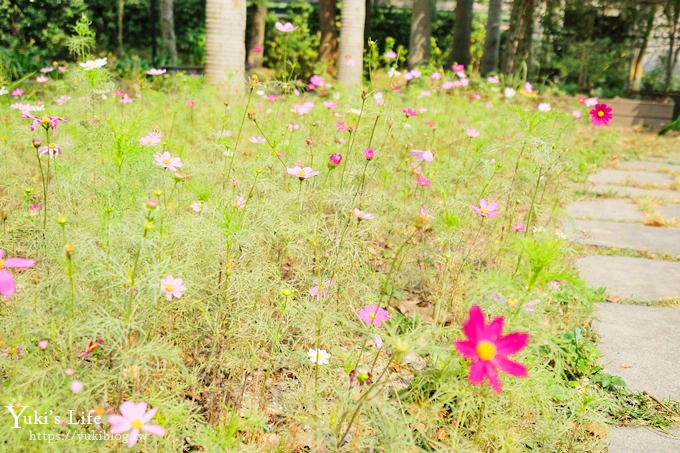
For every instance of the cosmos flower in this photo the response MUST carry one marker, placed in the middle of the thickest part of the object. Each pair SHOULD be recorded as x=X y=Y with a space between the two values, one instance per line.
x=302 y=172
x=285 y=28
x=422 y=156
x=318 y=356
x=361 y=215
x=373 y=314
x=165 y=160
x=134 y=418
x=155 y=72
x=94 y=64
x=172 y=287
x=601 y=115
x=486 y=208
x=7 y=283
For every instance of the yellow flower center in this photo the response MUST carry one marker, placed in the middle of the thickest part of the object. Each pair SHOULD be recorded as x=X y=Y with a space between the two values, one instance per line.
x=484 y=210
x=51 y=146
x=169 y=288
x=486 y=350
x=45 y=120
x=512 y=301
x=2 y=264
x=600 y=114
x=372 y=315
x=301 y=173
x=166 y=161
x=137 y=424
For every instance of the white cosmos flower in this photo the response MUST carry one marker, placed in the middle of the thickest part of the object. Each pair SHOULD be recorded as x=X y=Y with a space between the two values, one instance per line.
x=318 y=356
x=544 y=107
x=94 y=64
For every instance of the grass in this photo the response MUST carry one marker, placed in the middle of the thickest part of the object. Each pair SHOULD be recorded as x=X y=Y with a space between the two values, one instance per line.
x=226 y=363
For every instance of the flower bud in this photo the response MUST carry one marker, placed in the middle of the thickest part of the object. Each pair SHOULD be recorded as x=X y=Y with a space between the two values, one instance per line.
x=69 y=250
x=36 y=143
x=286 y=292
x=151 y=204
x=369 y=154
x=334 y=160
x=62 y=219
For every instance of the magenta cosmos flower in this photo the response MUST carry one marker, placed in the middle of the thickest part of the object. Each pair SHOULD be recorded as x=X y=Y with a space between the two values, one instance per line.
x=134 y=418
x=302 y=172
x=172 y=287
x=486 y=208
x=409 y=112
x=373 y=314
x=488 y=349
x=165 y=160
x=7 y=284
x=46 y=121
x=601 y=114
x=422 y=156
x=285 y=28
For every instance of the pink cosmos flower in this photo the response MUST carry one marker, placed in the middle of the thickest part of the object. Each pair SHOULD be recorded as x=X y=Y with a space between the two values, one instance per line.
x=69 y=372
x=519 y=227
x=17 y=92
x=472 y=132
x=197 y=206
x=239 y=202
x=330 y=105
x=303 y=109
x=46 y=69
x=320 y=290
x=349 y=60
x=576 y=114
x=155 y=72
x=601 y=114
x=409 y=112
x=373 y=314
x=42 y=79
x=369 y=154
x=153 y=138
x=492 y=79
x=378 y=98
x=488 y=349
x=360 y=376
x=448 y=85
x=46 y=121
x=165 y=160
x=172 y=287
x=258 y=139
x=422 y=156
x=13 y=352
x=285 y=28
x=302 y=172
x=390 y=55
x=134 y=418
x=51 y=149
x=61 y=100
x=555 y=285
x=361 y=215
x=7 y=284
x=423 y=182
x=528 y=87
x=257 y=49
x=424 y=216
x=335 y=160
x=486 y=209
x=590 y=102
x=125 y=99
x=316 y=81
x=293 y=127
x=76 y=386
x=340 y=126
x=436 y=76
x=43 y=344
x=62 y=69
x=191 y=104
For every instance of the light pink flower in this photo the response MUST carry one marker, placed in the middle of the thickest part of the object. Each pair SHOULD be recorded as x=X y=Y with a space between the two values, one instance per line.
x=42 y=79
x=303 y=109
x=422 y=156
x=472 y=132
x=330 y=105
x=7 y=284
x=590 y=102
x=349 y=60
x=320 y=290
x=46 y=121
x=239 y=202
x=197 y=206
x=155 y=72
x=369 y=154
x=134 y=418
x=285 y=28
x=390 y=55
x=519 y=227
x=423 y=182
x=43 y=344
x=373 y=314
x=378 y=98
x=172 y=287
x=69 y=372
x=51 y=149
x=153 y=138
x=576 y=114
x=46 y=69
x=528 y=87
x=165 y=160
x=61 y=100
x=258 y=139
x=409 y=112
x=361 y=215
x=492 y=79
x=486 y=208
x=302 y=172
x=17 y=92
x=436 y=76
x=76 y=386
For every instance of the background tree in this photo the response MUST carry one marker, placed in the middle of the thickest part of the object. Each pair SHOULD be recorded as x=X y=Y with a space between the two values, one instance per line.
x=225 y=50
x=257 y=29
x=671 y=12
x=518 y=44
x=421 y=31
x=492 y=40
x=328 y=46
x=351 y=51
x=462 y=32
x=167 y=17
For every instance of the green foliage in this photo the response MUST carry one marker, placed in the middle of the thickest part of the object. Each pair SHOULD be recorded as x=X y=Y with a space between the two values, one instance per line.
x=81 y=43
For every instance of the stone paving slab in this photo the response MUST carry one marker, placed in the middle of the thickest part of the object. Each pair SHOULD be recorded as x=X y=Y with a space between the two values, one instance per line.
x=643 y=165
x=670 y=211
x=606 y=209
x=624 y=235
x=608 y=176
x=635 y=192
x=642 y=440
x=629 y=278
x=641 y=345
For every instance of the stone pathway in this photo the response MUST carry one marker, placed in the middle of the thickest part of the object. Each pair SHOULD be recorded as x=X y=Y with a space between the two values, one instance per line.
x=640 y=343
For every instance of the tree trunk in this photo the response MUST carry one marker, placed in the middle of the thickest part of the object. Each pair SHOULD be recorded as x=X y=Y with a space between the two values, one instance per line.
x=518 y=44
x=350 y=58
x=671 y=11
x=462 y=32
x=225 y=50
x=328 y=46
x=257 y=35
x=121 y=11
x=635 y=77
x=421 y=31
x=492 y=41
x=168 y=29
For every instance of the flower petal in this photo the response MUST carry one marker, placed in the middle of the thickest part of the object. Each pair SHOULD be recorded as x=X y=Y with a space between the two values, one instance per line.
x=492 y=373
x=477 y=372
x=19 y=262
x=154 y=429
x=134 y=436
x=7 y=285
x=511 y=367
x=120 y=424
x=512 y=343
x=494 y=329
x=149 y=415
x=467 y=349
x=474 y=326
x=127 y=410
